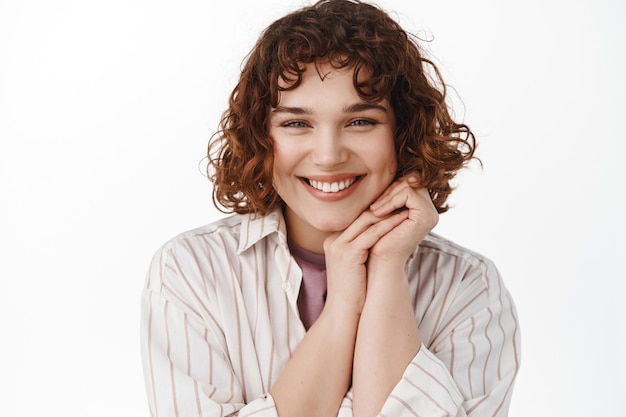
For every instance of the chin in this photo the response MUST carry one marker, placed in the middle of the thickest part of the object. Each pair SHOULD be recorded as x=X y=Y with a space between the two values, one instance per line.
x=331 y=225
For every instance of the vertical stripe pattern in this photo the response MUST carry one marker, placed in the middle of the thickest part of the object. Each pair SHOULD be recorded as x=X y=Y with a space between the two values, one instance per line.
x=220 y=321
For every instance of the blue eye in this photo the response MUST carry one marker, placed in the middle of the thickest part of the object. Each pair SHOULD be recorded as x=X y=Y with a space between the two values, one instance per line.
x=294 y=123
x=363 y=122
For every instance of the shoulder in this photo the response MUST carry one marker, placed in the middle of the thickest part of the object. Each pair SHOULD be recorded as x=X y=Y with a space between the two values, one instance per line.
x=227 y=229
x=191 y=251
x=214 y=249
x=452 y=284
x=434 y=243
x=457 y=263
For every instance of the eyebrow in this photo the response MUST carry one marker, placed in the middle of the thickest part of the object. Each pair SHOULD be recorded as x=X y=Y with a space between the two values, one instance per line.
x=291 y=110
x=352 y=108
x=359 y=107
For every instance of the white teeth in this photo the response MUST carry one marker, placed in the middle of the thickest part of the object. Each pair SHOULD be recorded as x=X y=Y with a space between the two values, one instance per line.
x=331 y=187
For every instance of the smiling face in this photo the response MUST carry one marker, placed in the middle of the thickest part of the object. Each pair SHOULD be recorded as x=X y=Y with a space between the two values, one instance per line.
x=334 y=154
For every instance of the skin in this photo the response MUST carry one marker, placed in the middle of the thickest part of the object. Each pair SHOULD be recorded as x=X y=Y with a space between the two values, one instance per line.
x=323 y=131
x=366 y=334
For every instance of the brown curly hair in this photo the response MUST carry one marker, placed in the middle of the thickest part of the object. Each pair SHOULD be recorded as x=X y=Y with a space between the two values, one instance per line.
x=350 y=34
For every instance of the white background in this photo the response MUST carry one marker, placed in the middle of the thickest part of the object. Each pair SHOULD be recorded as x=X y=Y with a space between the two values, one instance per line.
x=105 y=111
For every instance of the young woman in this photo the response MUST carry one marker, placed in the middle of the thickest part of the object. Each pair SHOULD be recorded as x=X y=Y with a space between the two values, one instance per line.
x=326 y=294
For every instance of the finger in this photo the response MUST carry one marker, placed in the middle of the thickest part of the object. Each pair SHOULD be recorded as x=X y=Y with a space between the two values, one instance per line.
x=369 y=237
x=365 y=231
x=396 y=196
x=359 y=225
x=418 y=204
x=407 y=182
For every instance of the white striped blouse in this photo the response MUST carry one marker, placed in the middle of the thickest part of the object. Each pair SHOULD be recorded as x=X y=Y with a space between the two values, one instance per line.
x=220 y=321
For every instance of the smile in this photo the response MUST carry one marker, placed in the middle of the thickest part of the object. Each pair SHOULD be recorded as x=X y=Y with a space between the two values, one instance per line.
x=331 y=187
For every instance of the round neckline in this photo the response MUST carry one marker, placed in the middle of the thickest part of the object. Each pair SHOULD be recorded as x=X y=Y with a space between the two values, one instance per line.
x=317 y=259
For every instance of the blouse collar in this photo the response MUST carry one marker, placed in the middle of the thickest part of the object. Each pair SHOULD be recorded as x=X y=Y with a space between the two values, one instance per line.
x=255 y=227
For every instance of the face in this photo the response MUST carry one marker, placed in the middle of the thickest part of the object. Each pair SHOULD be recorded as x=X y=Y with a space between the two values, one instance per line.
x=333 y=154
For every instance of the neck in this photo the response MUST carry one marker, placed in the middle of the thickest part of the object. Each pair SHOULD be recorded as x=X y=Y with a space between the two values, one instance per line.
x=303 y=234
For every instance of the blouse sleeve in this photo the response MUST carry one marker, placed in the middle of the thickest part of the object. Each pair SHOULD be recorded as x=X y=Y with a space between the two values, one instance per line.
x=187 y=372
x=470 y=365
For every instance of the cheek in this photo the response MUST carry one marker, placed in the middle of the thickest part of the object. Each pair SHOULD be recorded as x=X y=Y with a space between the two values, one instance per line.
x=277 y=167
x=287 y=156
x=384 y=159
x=279 y=163
x=392 y=159
x=282 y=167
x=393 y=166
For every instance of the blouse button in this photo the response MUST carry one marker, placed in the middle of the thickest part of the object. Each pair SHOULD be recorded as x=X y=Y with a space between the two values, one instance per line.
x=286 y=285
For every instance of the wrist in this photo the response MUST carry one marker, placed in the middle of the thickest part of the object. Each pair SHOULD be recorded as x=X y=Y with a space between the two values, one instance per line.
x=386 y=267
x=343 y=310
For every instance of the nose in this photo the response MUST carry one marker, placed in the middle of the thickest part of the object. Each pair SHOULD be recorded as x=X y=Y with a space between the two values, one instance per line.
x=328 y=149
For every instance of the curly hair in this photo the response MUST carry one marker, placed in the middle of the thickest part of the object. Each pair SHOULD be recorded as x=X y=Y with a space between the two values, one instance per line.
x=345 y=34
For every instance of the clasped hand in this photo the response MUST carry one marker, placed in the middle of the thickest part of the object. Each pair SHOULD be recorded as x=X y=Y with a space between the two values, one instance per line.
x=388 y=232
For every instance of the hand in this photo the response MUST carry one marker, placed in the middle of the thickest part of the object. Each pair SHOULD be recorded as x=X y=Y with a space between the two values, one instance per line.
x=403 y=194
x=346 y=254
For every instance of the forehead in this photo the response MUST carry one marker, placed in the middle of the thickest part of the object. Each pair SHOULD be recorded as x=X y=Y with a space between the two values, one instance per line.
x=328 y=93
x=321 y=74
x=323 y=68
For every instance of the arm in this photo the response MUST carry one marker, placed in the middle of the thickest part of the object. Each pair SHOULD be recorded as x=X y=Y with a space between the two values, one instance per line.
x=187 y=369
x=467 y=366
x=388 y=336
x=318 y=375
x=474 y=357
x=176 y=351
x=198 y=361
x=388 y=339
